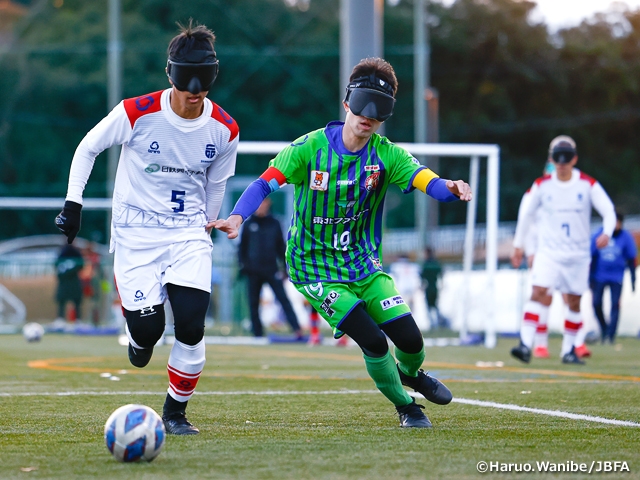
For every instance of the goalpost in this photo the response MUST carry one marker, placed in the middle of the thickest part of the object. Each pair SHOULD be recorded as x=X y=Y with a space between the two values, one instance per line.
x=473 y=151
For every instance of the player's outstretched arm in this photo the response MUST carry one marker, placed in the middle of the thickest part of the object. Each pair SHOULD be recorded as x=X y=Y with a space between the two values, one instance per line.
x=442 y=190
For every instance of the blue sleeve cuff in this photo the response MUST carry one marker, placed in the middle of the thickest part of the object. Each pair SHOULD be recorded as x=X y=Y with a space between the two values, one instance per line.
x=251 y=198
x=437 y=189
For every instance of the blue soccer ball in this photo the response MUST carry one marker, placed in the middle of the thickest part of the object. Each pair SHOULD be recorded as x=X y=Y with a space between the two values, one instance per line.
x=134 y=432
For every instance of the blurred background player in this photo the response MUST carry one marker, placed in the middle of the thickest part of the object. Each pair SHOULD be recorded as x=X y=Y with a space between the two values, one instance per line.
x=562 y=260
x=431 y=275
x=541 y=337
x=179 y=149
x=341 y=174
x=406 y=276
x=607 y=270
x=261 y=259
x=68 y=266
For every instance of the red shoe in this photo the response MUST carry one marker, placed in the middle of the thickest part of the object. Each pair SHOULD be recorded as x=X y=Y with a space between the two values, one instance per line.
x=314 y=340
x=343 y=341
x=582 y=351
x=541 y=352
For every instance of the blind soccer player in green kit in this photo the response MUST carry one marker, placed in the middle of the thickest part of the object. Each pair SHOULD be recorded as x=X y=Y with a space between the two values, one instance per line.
x=341 y=174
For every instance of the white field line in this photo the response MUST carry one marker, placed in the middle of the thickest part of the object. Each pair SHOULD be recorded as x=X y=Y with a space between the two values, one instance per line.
x=551 y=413
x=477 y=403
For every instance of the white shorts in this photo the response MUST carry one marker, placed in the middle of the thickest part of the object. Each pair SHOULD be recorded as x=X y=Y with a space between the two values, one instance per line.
x=141 y=275
x=566 y=277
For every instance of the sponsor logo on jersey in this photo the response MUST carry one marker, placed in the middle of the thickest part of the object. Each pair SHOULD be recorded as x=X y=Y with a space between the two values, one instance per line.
x=346 y=182
x=329 y=300
x=152 y=168
x=415 y=160
x=225 y=116
x=166 y=169
x=319 y=180
x=154 y=148
x=209 y=151
x=301 y=142
x=143 y=103
x=146 y=311
x=346 y=208
x=339 y=220
x=371 y=183
x=579 y=197
x=314 y=290
x=139 y=296
x=391 y=302
x=372 y=168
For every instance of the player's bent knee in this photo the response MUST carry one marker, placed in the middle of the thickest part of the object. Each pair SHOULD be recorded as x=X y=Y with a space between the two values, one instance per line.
x=146 y=325
x=372 y=342
x=405 y=334
x=189 y=306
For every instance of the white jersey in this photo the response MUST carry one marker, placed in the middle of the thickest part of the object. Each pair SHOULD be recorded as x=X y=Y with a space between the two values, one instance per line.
x=564 y=227
x=172 y=171
x=531 y=235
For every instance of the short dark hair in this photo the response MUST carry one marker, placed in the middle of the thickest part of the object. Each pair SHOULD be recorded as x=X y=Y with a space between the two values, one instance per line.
x=191 y=37
x=378 y=67
x=619 y=216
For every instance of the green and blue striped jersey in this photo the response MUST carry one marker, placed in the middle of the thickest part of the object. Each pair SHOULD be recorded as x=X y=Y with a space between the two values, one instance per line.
x=336 y=228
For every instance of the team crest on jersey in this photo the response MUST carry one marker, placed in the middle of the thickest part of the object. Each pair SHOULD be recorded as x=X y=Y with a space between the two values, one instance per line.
x=319 y=180
x=371 y=183
x=376 y=263
x=210 y=150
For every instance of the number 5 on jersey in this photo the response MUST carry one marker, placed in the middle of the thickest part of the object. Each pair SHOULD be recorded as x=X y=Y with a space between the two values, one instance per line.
x=175 y=194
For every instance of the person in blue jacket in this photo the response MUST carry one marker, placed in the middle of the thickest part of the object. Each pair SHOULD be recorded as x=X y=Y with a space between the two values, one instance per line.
x=607 y=270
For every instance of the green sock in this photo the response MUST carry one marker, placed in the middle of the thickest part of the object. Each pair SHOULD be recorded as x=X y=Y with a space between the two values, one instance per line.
x=385 y=375
x=410 y=363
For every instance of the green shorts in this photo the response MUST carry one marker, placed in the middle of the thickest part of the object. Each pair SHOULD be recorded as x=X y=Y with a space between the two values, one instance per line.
x=334 y=301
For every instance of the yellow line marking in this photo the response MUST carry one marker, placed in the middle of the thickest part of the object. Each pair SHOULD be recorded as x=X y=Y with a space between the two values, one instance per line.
x=61 y=364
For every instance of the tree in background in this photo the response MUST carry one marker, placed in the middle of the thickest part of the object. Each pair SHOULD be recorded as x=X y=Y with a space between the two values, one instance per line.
x=501 y=80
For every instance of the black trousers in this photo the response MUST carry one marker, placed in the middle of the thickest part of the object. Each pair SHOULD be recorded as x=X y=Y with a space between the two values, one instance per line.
x=255 y=282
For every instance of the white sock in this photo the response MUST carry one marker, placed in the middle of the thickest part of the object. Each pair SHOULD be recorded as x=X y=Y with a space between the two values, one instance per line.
x=572 y=324
x=582 y=335
x=541 y=338
x=185 y=366
x=530 y=319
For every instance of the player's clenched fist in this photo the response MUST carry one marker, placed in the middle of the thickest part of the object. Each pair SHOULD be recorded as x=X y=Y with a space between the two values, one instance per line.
x=68 y=220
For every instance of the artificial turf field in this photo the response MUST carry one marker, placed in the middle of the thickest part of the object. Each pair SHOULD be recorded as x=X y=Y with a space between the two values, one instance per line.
x=291 y=411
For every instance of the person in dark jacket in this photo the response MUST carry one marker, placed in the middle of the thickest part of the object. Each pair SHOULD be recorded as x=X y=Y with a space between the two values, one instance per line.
x=261 y=258
x=607 y=270
x=68 y=266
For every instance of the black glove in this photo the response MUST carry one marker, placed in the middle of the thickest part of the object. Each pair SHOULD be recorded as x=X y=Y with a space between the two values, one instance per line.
x=68 y=220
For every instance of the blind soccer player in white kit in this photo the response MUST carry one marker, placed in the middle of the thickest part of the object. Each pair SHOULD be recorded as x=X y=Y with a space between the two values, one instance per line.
x=541 y=339
x=562 y=260
x=178 y=150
